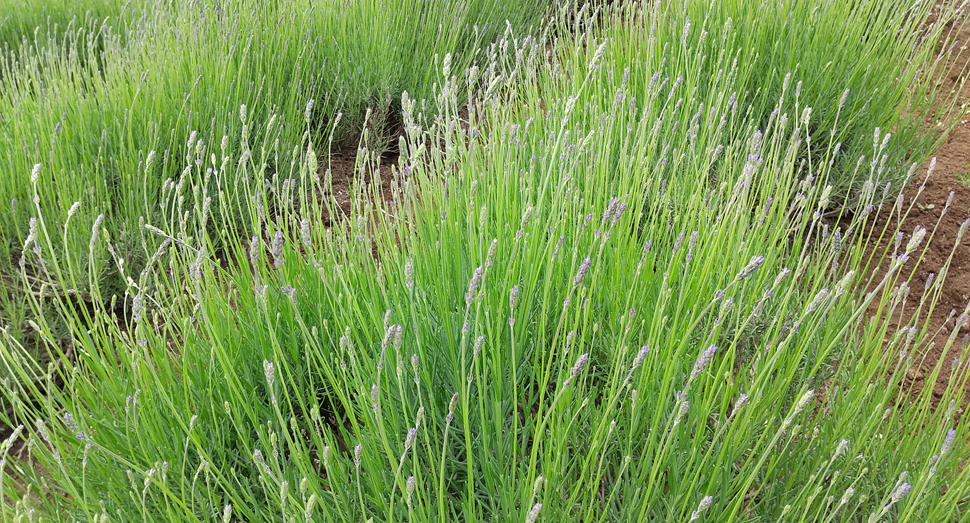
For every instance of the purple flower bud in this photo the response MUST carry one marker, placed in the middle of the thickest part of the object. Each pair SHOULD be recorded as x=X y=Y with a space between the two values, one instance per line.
x=269 y=372
x=558 y=246
x=577 y=368
x=305 y=231
x=534 y=513
x=490 y=257
x=702 y=507
x=682 y=411
x=901 y=492
x=410 y=488
x=839 y=450
x=680 y=240
x=610 y=210
x=137 y=307
x=473 y=284
x=948 y=441
x=277 y=248
x=254 y=250
x=817 y=300
x=963 y=229
x=742 y=399
x=414 y=366
x=409 y=440
x=752 y=266
x=691 y=243
x=408 y=274
x=581 y=273
x=642 y=355
x=513 y=296
x=451 y=408
x=918 y=234
x=701 y=362
x=96 y=230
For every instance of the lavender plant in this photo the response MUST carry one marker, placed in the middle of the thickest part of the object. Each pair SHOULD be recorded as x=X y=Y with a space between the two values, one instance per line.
x=533 y=327
x=160 y=112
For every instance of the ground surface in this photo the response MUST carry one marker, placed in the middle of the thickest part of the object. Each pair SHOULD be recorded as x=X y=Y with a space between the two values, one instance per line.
x=950 y=175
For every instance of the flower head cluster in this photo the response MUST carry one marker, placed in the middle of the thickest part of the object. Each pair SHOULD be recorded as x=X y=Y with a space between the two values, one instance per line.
x=948 y=441
x=900 y=492
x=638 y=360
x=581 y=273
x=408 y=274
x=534 y=513
x=702 y=362
x=752 y=266
x=702 y=507
x=576 y=369
x=451 y=408
x=277 y=248
x=614 y=211
x=473 y=285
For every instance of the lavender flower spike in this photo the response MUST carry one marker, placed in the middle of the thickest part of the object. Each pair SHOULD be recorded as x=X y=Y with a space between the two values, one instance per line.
x=473 y=285
x=682 y=411
x=752 y=266
x=901 y=492
x=577 y=368
x=701 y=362
x=581 y=273
x=269 y=372
x=702 y=507
x=375 y=397
x=277 y=248
x=742 y=399
x=534 y=513
x=641 y=356
x=948 y=442
x=513 y=296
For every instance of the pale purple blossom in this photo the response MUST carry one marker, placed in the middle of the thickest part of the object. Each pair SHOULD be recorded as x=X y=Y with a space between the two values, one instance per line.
x=254 y=250
x=534 y=513
x=901 y=492
x=742 y=399
x=451 y=408
x=581 y=273
x=577 y=368
x=702 y=507
x=702 y=362
x=948 y=441
x=277 y=248
x=752 y=266
x=473 y=284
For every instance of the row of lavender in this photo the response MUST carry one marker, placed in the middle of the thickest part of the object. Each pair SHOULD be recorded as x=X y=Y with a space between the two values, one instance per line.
x=603 y=286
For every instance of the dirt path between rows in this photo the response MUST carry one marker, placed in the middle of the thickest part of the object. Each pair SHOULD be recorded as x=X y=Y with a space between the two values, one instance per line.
x=949 y=181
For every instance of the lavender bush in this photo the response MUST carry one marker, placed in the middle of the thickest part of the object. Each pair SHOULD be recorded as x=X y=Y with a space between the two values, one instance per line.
x=559 y=314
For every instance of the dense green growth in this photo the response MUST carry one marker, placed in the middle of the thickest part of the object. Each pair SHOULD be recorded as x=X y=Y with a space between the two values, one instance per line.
x=174 y=85
x=605 y=285
x=43 y=23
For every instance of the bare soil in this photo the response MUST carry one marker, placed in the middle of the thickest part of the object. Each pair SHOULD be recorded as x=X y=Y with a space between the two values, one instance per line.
x=949 y=180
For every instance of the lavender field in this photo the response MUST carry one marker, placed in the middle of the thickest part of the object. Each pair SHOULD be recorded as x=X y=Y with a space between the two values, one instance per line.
x=476 y=260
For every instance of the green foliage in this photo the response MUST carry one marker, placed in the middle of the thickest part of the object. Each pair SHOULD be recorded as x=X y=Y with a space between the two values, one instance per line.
x=167 y=87
x=586 y=299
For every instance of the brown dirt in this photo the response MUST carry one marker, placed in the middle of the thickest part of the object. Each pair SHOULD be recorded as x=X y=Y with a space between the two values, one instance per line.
x=928 y=196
